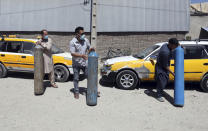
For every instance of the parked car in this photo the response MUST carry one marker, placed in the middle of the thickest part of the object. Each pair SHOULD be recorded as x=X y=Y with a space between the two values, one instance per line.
x=17 y=54
x=129 y=71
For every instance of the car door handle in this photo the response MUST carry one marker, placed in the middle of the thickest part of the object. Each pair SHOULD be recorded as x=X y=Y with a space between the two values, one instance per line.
x=206 y=64
x=172 y=64
x=23 y=56
x=2 y=55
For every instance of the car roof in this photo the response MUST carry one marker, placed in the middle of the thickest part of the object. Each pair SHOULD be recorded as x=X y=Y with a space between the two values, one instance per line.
x=20 y=39
x=187 y=43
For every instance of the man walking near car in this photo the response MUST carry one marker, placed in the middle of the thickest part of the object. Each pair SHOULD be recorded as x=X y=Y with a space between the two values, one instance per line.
x=162 y=67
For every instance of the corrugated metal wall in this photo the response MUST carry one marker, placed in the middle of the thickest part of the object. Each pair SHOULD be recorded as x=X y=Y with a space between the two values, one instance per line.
x=113 y=15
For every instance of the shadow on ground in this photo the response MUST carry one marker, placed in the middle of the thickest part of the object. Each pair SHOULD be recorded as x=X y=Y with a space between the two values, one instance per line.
x=153 y=94
x=150 y=88
x=46 y=82
x=82 y=91
x=26 y=75
x=20 y=75
x=152 y=85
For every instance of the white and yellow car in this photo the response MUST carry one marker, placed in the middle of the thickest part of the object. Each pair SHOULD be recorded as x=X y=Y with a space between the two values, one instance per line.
x=129 y=71
x=17 y=54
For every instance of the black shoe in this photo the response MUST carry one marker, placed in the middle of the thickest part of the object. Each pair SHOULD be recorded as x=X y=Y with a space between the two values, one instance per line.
x=76 y=95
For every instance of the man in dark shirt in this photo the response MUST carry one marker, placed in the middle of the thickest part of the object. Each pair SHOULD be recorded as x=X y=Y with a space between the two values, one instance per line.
x=162 y=67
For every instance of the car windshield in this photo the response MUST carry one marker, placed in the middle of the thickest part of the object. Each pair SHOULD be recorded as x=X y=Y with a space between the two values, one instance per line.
x=146 y=52
x=56 y=50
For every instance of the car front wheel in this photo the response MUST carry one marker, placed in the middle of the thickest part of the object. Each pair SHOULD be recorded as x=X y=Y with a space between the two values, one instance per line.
x=127 y=80
x=204 y=83
x=61 y=73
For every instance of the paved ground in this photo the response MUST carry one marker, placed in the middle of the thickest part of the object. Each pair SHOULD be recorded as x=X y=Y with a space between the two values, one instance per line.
x=117 y=110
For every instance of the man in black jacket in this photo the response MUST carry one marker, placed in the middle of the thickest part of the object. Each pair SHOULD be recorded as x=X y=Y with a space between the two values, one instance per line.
x=162 y=67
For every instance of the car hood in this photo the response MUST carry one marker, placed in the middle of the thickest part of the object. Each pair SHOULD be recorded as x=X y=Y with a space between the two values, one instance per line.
x=65 y=55
x=119 y=59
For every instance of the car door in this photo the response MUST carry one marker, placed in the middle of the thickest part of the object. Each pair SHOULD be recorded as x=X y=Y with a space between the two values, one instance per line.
x=195 y=62
x=150 y=64
x=206 y=62
x=27 y=56
x=2 y=51
x=11 y=54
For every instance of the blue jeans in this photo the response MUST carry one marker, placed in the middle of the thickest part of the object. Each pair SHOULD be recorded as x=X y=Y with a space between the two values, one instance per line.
x=76 y=70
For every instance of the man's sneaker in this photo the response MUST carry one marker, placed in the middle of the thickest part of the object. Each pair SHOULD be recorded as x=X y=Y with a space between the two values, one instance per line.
x=160 y=99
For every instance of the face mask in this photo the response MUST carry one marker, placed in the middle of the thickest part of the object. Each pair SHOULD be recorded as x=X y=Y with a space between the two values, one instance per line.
x=82 y=37
x=46 y=37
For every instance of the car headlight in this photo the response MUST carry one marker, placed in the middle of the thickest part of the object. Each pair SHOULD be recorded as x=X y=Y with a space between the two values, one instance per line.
x=105 y=69
x=108 y=67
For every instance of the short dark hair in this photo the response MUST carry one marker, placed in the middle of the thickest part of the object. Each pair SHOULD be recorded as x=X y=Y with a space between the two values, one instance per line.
x=78 y=29
x=42 y=31
x=173 y=41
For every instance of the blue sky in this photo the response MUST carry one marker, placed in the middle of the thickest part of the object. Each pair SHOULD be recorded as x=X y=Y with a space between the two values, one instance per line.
x=198 y=1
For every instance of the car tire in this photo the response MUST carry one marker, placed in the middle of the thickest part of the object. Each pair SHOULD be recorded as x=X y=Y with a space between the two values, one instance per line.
x=61 y=73
x=3 y=71
x=204 y=83
x=127 y=80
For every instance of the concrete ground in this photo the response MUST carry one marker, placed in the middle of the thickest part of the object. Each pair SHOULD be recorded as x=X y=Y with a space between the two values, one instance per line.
x=117 y=110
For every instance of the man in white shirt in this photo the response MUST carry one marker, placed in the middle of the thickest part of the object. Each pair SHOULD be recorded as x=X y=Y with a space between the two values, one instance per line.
x=79 y=48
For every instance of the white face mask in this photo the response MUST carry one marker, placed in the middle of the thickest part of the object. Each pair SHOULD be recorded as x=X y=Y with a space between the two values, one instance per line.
x=82 y=37
x=45 y=37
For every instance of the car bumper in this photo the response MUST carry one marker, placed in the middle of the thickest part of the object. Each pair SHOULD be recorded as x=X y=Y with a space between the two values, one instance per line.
x=108 y=76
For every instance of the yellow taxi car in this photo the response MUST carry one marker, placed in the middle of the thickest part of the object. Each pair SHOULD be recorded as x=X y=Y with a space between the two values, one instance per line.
x=17 y=54
x=129 y=71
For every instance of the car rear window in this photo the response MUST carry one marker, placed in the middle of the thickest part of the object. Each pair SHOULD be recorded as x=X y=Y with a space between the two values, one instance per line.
x=14 y=46
x=194 y=52
x=2 y=46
